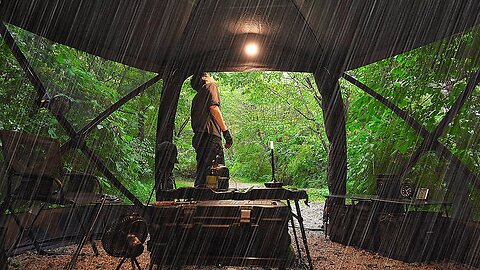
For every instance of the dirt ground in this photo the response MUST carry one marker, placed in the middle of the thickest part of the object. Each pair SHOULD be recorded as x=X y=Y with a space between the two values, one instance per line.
x=325 y=255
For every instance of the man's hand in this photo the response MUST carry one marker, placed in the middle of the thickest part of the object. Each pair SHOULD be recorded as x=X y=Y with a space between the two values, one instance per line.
x=228 y=139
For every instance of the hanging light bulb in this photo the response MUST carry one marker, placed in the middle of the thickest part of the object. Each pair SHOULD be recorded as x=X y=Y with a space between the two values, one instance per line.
x=251 y=49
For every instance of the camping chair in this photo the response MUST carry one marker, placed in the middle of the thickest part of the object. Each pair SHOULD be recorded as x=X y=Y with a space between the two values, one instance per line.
x=33 y=169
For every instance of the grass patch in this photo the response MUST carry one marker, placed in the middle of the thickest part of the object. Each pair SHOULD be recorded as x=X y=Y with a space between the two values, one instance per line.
x=317 y=194
x=246 y=180
x=182 y=183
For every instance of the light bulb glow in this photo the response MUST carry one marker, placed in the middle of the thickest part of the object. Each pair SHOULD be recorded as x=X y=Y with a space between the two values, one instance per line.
x=251 y=49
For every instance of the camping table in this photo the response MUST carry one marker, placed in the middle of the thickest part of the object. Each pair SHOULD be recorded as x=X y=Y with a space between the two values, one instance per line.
x=205 y=194
x=405 y=204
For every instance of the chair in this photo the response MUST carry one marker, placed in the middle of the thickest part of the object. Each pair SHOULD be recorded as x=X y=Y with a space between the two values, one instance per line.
x=33 y=171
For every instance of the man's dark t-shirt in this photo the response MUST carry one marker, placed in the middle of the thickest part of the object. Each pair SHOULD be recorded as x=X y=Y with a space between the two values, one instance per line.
x=202 y=119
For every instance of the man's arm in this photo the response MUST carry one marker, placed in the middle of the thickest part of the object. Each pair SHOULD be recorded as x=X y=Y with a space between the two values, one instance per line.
x=217 y=114
x=218 y=118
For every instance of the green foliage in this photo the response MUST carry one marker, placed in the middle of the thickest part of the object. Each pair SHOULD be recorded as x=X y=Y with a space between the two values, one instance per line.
x=258 y=107
x=124 y=140
x=425 y=83
x=273 y=106
x=183 y=134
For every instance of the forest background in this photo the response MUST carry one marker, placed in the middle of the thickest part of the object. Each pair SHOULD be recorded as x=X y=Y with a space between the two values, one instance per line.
x=259 y=107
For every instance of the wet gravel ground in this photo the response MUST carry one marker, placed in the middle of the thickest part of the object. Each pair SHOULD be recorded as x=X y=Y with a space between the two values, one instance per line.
x=312 y=215
x=325 y=255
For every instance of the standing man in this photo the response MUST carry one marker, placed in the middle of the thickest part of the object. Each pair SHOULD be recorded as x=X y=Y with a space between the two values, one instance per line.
x=208 y=126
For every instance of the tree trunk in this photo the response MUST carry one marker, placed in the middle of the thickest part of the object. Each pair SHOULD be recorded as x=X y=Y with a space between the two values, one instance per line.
x=141 y=125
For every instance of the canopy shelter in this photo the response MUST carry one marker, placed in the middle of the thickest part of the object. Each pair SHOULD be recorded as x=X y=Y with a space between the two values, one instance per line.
x=293 y=35
x=176 y=38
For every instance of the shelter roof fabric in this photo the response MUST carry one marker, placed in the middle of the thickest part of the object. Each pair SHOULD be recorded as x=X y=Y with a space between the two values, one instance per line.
x=293 y=35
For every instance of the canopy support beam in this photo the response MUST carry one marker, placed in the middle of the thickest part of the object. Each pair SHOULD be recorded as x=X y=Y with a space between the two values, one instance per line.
x=333 y=61
x=428 y=143
x=440 y=149
x=334 y=121
x=172 y=85
x=42 y=93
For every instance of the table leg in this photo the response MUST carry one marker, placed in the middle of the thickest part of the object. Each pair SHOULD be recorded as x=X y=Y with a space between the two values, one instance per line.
x=304 y=236
x=86 y=236
x=325 y=224
x=294 y=231
x=351 y=222
x=28 y=230
x=446 y=210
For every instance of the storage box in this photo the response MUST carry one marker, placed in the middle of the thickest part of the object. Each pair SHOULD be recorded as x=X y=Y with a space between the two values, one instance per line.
x=412 y=237
x=235 y=233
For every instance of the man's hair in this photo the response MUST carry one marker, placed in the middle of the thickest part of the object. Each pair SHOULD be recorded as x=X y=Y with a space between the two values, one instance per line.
x=197 y=80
